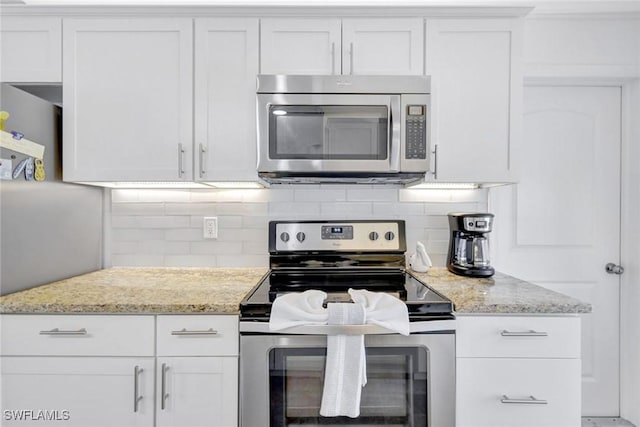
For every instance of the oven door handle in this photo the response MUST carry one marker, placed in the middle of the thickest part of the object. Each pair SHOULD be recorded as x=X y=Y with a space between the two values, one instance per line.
x=368 y=329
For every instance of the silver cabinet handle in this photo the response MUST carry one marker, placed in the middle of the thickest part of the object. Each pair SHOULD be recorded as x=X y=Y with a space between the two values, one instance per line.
x=612 y=268
x=435 y=161
x=527 y=401
x=57 y=331
x=180 y=160
x=165 y=395
x=184 y=331
x=333 y=58
x=529 y=333
x=203 y=158
x=351 y=58
x=137 y=370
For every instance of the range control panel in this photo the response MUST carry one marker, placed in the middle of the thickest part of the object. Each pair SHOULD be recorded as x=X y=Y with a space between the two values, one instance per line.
x=337 y=236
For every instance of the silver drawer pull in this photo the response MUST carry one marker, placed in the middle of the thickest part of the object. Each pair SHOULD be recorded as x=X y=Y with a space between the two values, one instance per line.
x=136 y=386
x=528 y=401
x=57 y=331
x=183 y=331
x=529 y=333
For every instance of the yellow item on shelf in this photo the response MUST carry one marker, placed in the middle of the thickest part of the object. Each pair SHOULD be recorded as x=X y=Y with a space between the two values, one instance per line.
x=39 y=174
x=3 y=119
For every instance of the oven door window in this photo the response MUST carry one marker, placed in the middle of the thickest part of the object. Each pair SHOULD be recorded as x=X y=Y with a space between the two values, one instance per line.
x=328 y=132
x=395 y=394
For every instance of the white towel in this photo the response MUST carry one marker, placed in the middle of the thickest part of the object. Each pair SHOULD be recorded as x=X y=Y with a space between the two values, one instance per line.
x=345 y=370
x=383 y=310
x=297 y=309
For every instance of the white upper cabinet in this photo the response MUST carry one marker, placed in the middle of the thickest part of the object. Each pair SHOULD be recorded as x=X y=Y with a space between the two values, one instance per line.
x=128 y=86
x=30 y=49
x=477 y=96
x=300 y=46
x=383 y=46
x=350 y=46
x=226 y=65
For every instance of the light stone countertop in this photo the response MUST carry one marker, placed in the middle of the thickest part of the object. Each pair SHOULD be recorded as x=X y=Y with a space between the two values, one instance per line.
x=140 y=290
x=155 y=290
x=499 y=294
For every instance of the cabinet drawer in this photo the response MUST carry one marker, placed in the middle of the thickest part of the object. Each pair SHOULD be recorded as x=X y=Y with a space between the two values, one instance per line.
x=497 y=392
x=214 y=335
x=76 y=335
x=515 y=336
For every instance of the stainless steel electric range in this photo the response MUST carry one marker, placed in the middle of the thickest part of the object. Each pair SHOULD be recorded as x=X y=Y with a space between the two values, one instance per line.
x=411 y=378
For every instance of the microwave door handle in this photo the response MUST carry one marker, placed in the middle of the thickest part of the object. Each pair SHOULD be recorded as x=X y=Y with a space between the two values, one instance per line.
x=394 y=133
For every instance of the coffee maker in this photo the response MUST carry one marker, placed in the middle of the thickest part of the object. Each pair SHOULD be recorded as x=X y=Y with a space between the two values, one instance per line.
x=468 y=244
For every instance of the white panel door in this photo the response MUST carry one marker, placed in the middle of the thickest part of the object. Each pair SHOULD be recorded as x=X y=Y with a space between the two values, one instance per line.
x=383 y=46
x=198 y=391
x=226 y=58
x=30 y=49
x=561 y=224
x=94 y=391
x=128 y=90
x=476 y=93
x=300 y=46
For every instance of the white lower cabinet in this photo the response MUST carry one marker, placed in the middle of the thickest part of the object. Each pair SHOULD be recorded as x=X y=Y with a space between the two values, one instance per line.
x=518 y=392
x=197 y=371
x=99 y=371
x=197 y=391
x=518 y=371
x=77 y=391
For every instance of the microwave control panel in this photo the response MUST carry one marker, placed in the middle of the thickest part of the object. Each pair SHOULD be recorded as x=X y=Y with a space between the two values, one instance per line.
x=416 y=134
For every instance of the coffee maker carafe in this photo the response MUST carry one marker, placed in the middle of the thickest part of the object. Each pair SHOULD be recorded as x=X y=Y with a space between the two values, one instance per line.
x=468 y=244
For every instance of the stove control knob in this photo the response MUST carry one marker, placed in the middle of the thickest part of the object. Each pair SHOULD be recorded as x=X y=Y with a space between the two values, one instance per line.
x=373 y=236
x=389 y=235
x=300 y=236
x=284 y=237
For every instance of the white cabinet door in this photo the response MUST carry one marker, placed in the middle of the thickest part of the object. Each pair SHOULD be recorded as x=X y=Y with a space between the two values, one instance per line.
x=30 y=49
x=197 y=391
x=300 y=46
x=77 y=391
x=500 y=392
x=226 y=58
x=128 y=99
x=476 y=84
x=383 y=46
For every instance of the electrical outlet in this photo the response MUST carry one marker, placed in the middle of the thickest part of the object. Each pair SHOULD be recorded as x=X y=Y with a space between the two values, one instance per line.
x=210 y=227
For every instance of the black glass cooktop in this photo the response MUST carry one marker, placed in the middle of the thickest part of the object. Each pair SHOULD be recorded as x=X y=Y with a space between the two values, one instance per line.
x=423 y=302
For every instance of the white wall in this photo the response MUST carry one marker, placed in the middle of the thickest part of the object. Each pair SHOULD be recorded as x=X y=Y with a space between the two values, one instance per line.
x=630 y=289
x=164 y=227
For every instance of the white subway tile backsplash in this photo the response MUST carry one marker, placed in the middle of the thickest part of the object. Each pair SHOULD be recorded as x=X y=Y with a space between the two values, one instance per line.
x=163 y=195
x=137 y=208
x=133 y=234
x=381 y=209
x=348 y=210
x=293 y=209
x=372 y=195
x=304 y=194
x=215 y=247
x=184 y=234
x=164 y=227
x=190 y=261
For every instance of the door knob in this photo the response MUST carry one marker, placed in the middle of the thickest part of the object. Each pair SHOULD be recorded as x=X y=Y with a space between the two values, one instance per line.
x=612 y=268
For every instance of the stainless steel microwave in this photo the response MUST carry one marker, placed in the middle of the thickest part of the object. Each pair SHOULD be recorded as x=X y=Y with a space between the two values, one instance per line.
x=343 y=129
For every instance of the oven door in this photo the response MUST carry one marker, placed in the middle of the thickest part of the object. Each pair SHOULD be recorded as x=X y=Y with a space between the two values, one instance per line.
x=328 y=133
x=410 y=381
